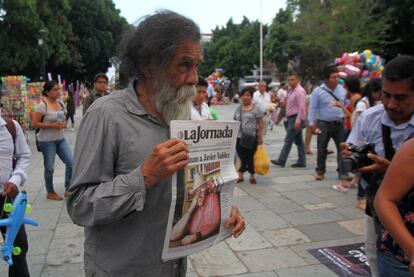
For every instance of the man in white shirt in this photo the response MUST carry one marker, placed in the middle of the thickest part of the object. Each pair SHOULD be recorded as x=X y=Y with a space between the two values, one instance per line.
x=200 y=109
x=262 y=99
x=14 y=159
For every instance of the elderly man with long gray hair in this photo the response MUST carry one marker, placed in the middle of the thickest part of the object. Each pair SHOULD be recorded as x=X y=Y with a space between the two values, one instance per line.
x=124 y=158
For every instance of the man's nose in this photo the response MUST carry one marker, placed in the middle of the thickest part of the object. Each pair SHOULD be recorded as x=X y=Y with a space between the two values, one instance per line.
x=192 y=77
x=392 y=104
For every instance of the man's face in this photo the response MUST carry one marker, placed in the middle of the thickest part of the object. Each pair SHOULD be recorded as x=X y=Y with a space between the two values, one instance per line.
x=201 y=197
x=398 y=100
x=293 y=81
x=101 y=85
x=333 y=80
x=183 y=69
x=262 y=87
x=200 y=95
x=174 y=87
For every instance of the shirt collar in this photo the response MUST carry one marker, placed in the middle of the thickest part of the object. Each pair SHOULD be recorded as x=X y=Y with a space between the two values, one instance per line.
x=326 y=87
x=387 y=121
x=133 y=105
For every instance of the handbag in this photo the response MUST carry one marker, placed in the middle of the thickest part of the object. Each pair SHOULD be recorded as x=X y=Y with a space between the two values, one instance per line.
x=247 y=141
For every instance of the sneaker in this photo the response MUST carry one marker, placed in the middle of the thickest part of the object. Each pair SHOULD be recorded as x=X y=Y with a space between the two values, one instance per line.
x=340 y=188
x=275 y=162
x=319 y=177
x=53 y=196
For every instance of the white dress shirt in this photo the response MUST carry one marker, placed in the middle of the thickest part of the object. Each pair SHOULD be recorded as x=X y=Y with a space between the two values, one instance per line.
x=7 y=174
x=262 y=100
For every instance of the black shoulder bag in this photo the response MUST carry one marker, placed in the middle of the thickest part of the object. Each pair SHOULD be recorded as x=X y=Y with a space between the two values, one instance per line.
x=246 y=140
x=375 y=179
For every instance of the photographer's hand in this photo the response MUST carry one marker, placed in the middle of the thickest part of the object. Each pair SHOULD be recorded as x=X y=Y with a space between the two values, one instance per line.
x=344 y=150
x=380 y=165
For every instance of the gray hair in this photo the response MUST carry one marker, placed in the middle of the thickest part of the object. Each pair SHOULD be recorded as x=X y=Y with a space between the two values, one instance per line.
x=151 y=46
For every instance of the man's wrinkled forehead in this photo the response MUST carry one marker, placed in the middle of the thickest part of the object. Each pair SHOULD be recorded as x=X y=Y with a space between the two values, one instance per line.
x=189 y=51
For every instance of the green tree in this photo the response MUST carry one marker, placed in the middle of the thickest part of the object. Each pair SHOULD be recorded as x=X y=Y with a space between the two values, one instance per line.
x=278 y=46
x=235 y=48
x=97 y=25
x=62 y=56
x=401 y=34
x=19 y=33
x=323 y=31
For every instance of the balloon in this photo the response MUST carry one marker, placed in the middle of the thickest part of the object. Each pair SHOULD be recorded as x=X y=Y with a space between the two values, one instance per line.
x=352 y=70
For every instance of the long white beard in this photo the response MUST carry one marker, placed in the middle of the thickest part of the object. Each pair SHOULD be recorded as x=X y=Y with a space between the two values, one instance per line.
x=174 y=104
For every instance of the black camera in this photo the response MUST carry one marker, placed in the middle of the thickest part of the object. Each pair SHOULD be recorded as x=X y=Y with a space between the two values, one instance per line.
x=359 y=157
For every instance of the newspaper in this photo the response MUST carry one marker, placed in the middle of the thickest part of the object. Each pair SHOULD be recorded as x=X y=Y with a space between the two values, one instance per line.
x=202 y=194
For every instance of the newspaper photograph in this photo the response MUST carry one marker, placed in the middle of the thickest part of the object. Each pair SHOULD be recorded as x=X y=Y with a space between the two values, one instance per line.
x=202 y=193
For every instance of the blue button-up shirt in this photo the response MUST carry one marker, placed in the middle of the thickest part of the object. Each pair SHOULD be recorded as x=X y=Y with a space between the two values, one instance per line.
x=7 y=174
x=368 y=129
x=320 y=104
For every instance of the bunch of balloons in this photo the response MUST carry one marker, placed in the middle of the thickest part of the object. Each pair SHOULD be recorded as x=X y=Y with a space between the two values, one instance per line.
x=218 y=80
x=364 y=65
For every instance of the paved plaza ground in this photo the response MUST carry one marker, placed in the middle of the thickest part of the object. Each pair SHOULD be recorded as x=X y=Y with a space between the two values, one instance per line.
x=287 y=213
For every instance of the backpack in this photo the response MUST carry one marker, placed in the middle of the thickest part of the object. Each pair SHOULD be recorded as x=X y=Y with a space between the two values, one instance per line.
x=11 y=127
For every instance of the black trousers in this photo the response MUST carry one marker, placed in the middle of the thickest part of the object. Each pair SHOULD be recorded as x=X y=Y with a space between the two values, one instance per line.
x=19 y=267
x=246 y=157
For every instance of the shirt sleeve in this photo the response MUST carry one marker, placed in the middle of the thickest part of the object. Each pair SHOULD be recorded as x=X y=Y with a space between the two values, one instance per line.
x=357 y=133
x=301 y=100
x=23 y=154
x=97 y=195
x=313 y=107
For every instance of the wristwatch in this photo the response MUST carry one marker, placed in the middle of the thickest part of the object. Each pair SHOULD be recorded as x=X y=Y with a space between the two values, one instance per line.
x=198 y=235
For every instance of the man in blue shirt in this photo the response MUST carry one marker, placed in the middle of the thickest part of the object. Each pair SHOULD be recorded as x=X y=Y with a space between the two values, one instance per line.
x=396 y=114
x=330 y=120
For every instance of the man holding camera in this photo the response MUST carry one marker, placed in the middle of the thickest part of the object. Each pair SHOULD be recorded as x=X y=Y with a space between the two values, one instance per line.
x=386 y=126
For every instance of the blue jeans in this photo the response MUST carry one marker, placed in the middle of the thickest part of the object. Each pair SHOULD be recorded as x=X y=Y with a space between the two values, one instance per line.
x=334 y=130
x=389 y=266
x=293 y=136
x=49 y=150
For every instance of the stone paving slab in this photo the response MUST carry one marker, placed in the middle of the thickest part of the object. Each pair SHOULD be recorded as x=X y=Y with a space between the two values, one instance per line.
x=263 y=220
x=216 y=261
x=271 y=259
x=282 y=205
x=312 y=217
x=308 y=271
x=285 y=237
x=325 y=231
x=251 y=240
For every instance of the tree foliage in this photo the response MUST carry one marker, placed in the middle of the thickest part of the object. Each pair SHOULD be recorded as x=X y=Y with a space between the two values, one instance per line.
x=325 y=31
x=19 y=25
x=79 y=36
x=235 y=48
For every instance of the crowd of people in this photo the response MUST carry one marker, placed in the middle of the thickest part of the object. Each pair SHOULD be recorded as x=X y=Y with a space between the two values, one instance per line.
x=118 y=185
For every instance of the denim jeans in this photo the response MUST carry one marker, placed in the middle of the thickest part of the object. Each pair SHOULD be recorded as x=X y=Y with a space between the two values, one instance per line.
x=293 y=136
x=334 y=130
x=49 y=150
x=389 y=266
